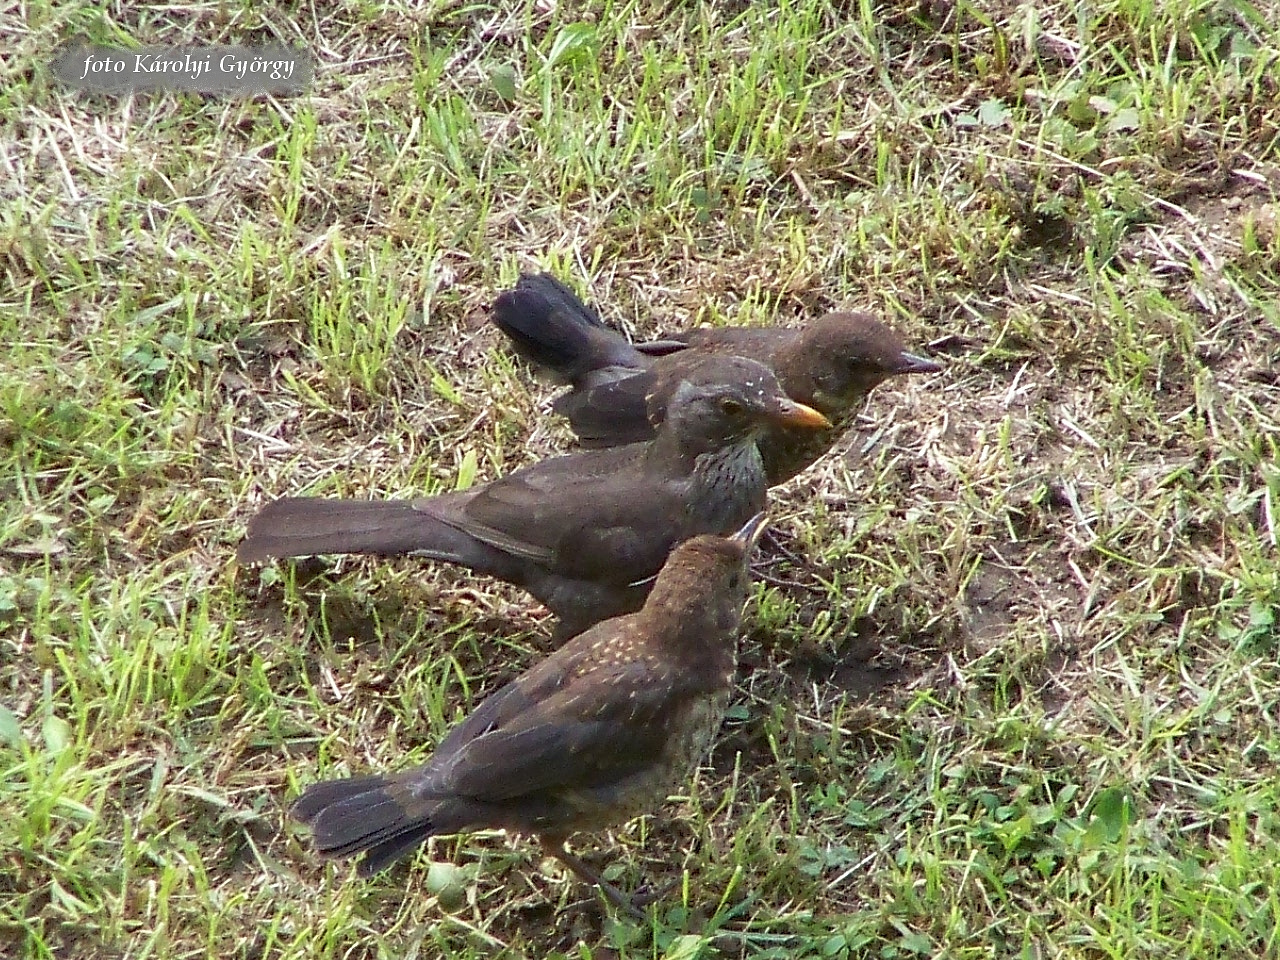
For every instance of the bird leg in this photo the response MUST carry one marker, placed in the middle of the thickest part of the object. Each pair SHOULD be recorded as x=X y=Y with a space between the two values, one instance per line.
x=584 y=873
x=771 y=542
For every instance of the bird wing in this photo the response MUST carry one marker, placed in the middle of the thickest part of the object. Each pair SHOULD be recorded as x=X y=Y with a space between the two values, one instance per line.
x=660 y=348
x=611 y=409
x=754 y=343
x=588 y=515
x=589 y=732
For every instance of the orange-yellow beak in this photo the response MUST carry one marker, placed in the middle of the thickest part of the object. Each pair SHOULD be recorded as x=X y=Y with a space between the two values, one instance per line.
x=788 y=413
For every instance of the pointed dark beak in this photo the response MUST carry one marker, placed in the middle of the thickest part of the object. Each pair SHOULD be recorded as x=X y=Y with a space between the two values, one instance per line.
x=750 y=533
x=914 y=363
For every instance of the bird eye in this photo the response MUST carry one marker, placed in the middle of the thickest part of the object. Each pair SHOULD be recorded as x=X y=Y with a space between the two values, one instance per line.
x=730 y=407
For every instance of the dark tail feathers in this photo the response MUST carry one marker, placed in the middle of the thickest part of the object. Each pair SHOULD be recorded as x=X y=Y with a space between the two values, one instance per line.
x=559 y=296
x=309 y=526
x=360 y=815
x=554 y=330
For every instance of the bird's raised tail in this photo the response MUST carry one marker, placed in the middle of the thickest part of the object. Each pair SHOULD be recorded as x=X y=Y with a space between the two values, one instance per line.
x=309 y=526
x=361 y=815
x=555 y=331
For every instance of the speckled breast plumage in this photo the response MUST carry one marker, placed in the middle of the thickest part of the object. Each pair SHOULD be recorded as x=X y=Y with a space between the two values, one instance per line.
x=692 y=732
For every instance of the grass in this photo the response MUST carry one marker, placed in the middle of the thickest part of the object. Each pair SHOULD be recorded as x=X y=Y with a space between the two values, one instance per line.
x=1014 y=695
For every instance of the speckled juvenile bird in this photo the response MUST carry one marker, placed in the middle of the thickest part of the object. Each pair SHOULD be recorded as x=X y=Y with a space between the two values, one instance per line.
x=598 y=732
x=584 y=533
x=619 y=390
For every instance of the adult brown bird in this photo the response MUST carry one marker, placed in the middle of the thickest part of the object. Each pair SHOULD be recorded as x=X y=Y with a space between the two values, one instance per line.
x=590 y=737
x=584 y=533
x=620 y=390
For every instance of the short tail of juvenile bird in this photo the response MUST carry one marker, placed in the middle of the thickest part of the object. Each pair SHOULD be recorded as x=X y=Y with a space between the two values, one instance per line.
x=361 y=815
x=554 y=330
x=309 y=526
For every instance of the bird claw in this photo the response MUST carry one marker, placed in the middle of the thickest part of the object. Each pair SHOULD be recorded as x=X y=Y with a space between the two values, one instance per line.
x=630 y=905
x=646 y=894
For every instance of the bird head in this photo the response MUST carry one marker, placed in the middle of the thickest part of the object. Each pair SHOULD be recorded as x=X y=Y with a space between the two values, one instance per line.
x=703 y=584
x=841 y=357
x=723 y=400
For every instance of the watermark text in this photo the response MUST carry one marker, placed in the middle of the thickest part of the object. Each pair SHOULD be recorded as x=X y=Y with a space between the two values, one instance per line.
x=221 y=69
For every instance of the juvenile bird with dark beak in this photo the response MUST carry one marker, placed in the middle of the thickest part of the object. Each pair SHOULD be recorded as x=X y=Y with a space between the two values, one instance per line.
x=598 y=732
x=620 y=391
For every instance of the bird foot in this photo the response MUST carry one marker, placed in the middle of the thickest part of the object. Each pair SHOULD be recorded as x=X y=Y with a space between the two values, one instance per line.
x=631 y=906
x=646 y=895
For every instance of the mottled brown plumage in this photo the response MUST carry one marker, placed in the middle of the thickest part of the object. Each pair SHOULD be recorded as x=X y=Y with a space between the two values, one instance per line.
x=620 y=391
x=598 y=732
x=583 y=533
